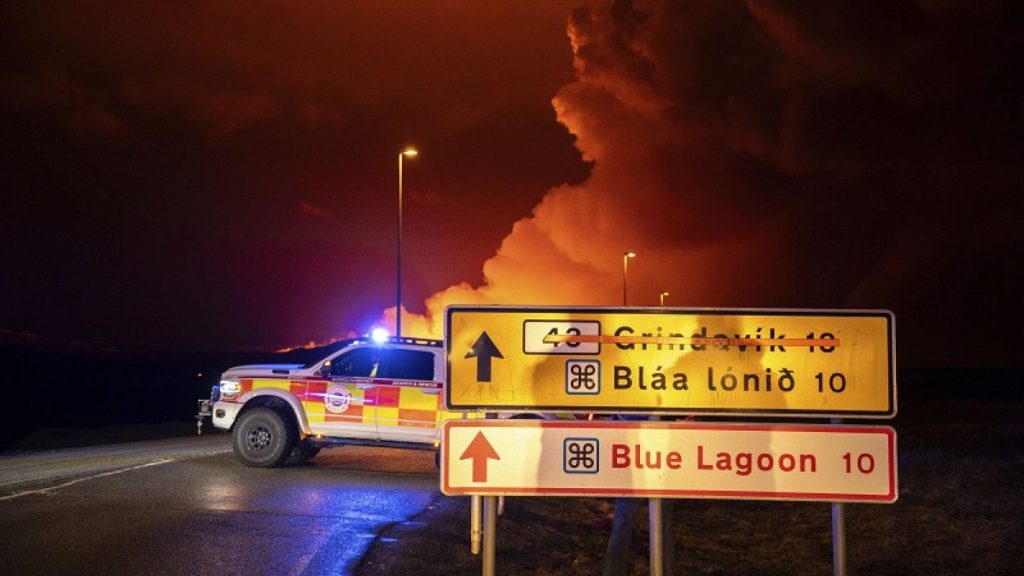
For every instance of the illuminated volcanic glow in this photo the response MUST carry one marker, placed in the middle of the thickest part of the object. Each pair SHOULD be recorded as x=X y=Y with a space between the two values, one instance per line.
x=215 y=177
x=753 y=159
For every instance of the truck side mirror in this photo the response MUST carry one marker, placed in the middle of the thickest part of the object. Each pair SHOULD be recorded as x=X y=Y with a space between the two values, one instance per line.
x=325 y=370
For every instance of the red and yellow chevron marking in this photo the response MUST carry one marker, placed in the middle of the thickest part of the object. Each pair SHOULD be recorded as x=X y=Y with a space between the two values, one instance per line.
x=384 y=401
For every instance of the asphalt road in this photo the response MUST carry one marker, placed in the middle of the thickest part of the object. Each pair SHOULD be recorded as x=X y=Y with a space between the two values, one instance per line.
x=186 y=506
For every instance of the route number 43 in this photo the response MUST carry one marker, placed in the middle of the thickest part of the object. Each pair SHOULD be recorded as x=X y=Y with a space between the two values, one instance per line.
x=568 y=332
x=536 y=333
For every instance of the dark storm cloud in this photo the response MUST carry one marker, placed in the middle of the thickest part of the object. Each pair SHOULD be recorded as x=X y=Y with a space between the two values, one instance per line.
x=788 y=154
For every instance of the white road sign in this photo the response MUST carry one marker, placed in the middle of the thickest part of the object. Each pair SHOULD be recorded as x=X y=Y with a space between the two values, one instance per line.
x=669 y=460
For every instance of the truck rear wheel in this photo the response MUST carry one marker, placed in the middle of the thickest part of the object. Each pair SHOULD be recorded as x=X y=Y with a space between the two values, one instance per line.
x=263 y=438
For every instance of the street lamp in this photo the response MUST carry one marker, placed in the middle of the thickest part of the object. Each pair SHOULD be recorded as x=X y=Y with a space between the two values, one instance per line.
x=625 y=272
x=661 y=298
x=410 y=152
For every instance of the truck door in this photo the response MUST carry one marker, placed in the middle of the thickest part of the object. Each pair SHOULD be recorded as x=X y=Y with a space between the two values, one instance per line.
x=346 y=397
x=408 y=396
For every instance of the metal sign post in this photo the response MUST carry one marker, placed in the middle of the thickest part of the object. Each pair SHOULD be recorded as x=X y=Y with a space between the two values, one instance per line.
x=490 y=505
x=838 y=539
x=490 y=535
x=657 y=540
x=838 y=533
x=474 y=525
x=655 y=513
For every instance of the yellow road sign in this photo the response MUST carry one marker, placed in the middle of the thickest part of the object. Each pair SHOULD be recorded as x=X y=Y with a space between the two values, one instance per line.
x=814 y=363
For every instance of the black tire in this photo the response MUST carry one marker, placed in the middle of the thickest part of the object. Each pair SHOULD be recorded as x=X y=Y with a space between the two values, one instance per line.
x=301 y=452
x=263 y=438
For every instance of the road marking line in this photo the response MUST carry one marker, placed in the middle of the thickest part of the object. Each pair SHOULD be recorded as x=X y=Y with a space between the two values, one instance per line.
x=213 y=452
x=50 y=489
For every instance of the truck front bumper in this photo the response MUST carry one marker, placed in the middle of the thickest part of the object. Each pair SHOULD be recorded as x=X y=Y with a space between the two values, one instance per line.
x=224 y=414
x=221 y=414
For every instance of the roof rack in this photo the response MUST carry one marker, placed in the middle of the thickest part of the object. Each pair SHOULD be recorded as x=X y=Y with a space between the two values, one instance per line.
x=418 y=341
x=404 y=340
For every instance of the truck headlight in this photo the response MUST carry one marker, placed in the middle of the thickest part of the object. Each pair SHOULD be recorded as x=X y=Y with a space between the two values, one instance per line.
x=229 y=388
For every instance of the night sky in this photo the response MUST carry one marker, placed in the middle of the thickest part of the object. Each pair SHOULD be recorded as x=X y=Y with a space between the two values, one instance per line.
x=222 y=176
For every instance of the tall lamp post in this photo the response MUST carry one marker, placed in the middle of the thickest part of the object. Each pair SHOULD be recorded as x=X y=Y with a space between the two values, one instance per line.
x=661 y=299
x=625 y=272
x=410 y=152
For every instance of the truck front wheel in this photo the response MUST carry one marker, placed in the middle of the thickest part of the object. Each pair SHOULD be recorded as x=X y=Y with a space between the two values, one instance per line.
x=262 y=438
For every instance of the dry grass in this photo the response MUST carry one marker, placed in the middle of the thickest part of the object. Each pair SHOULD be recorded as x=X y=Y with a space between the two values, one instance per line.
x=960 y=511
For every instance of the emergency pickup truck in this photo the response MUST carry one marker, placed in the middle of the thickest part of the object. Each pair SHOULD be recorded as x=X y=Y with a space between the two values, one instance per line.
x=385 y=393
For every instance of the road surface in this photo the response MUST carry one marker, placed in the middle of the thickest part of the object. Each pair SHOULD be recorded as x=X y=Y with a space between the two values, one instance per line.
x=186 y=506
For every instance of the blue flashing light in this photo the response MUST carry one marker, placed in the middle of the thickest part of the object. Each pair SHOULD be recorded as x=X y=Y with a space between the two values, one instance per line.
x=379 y=335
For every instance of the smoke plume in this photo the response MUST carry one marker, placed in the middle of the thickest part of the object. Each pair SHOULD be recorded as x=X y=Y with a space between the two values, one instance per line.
x=771 y=154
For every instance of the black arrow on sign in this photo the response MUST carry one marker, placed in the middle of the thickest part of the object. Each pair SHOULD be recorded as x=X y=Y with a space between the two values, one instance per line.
x=483 y=350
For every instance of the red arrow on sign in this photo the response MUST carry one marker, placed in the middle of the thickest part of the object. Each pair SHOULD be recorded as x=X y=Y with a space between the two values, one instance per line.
x=480 y=450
